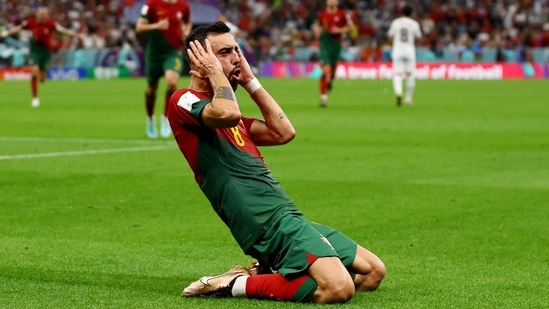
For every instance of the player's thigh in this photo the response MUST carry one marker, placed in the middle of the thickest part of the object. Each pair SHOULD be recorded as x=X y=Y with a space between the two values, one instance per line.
x=154 y=68
x=329 y=273
x=291 y=245
x=345 y=247
x=366 y=261
x=399 y=65
x=410 y=65
x=173 y=61
x=41 y=59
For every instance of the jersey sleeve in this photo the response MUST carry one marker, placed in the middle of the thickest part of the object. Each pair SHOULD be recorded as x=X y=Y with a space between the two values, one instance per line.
x=186 y=18
x=418 y=33
x=247 y=122
x=391 y=32
x=145 y=9
x=186 y=106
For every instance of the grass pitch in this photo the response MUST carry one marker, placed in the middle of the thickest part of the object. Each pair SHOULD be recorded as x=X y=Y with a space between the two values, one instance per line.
x=451 y=193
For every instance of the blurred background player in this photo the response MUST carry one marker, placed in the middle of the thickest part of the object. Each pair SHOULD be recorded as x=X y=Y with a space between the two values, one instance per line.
x=331 y=24
x=42 y=27
x=169 y=22
x=403 y=33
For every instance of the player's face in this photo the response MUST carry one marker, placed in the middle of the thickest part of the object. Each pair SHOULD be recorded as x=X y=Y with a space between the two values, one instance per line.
x=225 y=48
x=332 y=3
x=42 y=14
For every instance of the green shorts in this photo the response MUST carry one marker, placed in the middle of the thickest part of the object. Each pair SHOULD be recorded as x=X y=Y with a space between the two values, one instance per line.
x=293 y=243
x=157 y=65
x=330 y=51
x=40 y=56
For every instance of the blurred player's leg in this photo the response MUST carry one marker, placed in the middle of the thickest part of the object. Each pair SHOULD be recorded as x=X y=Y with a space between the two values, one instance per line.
x=410 y=87
x=35 y=71
x=150 y=100
x=325 y=80
x=397 y=87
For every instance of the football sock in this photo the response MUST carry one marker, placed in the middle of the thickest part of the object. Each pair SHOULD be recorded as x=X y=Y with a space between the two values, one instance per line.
x=397 y=85
x=167 y=97
x=34 y=86
x=149 y=103
x=277 y=287
x=323 y=84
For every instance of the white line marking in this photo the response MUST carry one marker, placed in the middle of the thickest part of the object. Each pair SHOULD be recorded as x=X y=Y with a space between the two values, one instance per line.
x=80 y=153
x=79 y=140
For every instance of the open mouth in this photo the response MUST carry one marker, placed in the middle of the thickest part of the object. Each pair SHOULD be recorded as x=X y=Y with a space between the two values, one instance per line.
x=236 y=72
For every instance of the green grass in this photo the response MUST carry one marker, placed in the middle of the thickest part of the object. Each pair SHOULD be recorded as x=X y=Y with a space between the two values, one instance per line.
x=451 y=193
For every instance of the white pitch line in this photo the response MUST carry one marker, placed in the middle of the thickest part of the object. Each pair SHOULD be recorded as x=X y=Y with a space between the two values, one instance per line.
x=80 y=153
x=76 y=140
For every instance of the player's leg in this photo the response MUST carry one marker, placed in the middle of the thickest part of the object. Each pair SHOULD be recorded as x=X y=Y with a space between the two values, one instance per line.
x=398 y=73
x=150 y=100
x=326 y=282
x=367 y=269
x=309 y=264
x=410 y=80
x=172 y=70
x=324 y=81
x=35 y=77
x=335 y=285
x=309 y=269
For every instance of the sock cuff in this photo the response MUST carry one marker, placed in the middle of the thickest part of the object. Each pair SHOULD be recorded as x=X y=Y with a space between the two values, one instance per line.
x=239 y=286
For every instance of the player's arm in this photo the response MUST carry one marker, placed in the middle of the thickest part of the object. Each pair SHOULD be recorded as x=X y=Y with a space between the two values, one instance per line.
x=317 y=29
x=275 y=128
x=143 y=24
x=349 y=25
x=222 y=111
x=12 y=30
x=391 y=34
x=186 y=26
x=66 y=31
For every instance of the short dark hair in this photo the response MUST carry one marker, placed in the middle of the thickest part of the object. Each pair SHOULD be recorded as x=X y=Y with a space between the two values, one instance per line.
x=407 y=10
x=202 y=32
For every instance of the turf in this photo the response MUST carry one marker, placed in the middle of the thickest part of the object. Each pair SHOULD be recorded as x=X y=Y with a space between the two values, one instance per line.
x=452 y=194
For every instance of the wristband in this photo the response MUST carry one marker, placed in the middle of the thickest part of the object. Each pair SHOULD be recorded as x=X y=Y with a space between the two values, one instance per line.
x=252 y=85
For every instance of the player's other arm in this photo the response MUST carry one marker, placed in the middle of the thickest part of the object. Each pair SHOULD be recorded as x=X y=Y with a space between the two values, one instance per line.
x=143 y=24
x=186 y=25
x=317 y=29
x=66 y=31
x=275 y=128
x=12 y=30
x=349 y=25
x=391 y=34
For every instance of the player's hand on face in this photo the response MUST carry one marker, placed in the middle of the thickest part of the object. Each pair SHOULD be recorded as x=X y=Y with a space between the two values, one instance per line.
x=246 y=73
x=204 y=61
x=163 y=24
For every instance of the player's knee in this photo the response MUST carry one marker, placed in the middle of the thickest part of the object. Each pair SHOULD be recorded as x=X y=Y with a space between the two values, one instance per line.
x=378 y=273
x=371 y=280
x=338 y=291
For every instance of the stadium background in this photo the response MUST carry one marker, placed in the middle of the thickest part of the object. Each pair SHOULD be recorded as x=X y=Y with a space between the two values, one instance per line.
x=487 y=39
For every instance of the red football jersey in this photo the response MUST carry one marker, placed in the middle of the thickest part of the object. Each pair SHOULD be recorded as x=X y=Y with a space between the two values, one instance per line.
x=41 y=32
x=328 y=20
x=175 y=13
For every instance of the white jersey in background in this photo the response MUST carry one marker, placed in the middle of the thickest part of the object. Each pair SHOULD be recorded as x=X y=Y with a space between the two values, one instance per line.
x=404 y=32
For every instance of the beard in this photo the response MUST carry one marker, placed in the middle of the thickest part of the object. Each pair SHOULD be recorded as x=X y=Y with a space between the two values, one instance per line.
x=234 y=84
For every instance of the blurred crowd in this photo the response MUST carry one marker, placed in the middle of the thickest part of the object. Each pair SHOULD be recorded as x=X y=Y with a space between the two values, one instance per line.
x=275 y=29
